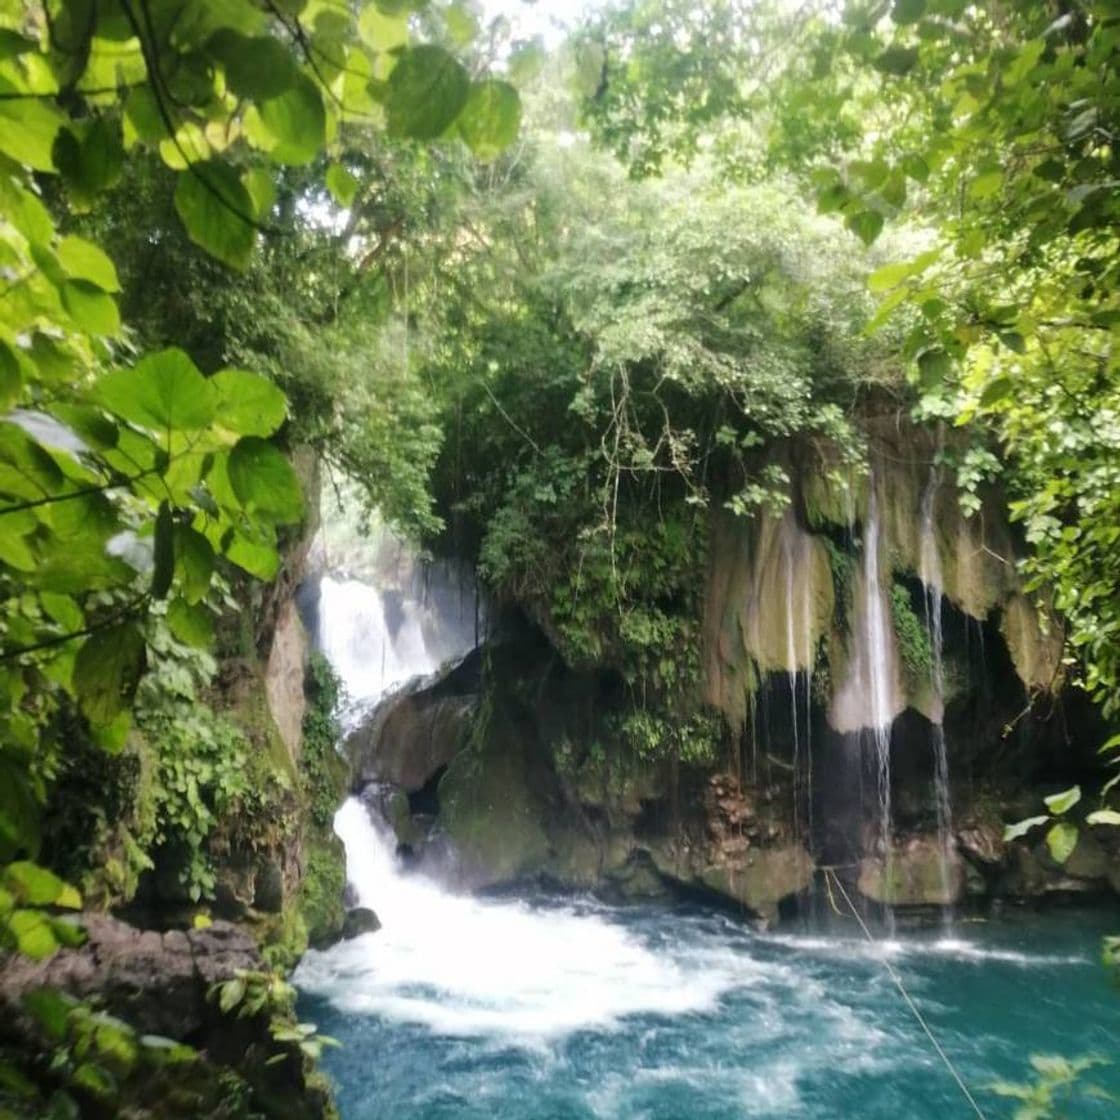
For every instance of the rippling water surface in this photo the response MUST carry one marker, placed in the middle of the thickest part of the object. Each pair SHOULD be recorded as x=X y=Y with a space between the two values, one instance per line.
x=542 y=1010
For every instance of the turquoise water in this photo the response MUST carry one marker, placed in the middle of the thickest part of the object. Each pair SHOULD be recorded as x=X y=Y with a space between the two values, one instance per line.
x=681 y=1014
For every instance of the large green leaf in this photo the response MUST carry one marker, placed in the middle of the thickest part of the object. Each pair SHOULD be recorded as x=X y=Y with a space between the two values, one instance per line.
x=264 y=481
x=257 y=67
x=1060 y=803
x=93 y=310
x=194 y=558
x=427 y=90
x=342 y=184
x=28 y=130
x=82 y=260
x=163 y=392
x=1061 y=840
x=33 y=885
x=297 y=123
x=249 y=404
x=491 y=118
x=191 y=623
x=91 y=159
x=255 y=557
x=217 y=212
x=107 y=671
x=33 y=934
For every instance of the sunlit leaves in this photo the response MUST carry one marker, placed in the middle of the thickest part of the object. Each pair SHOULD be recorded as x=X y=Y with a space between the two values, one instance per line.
x=1061 y=841
x=82 y=260
x=162 y=392
x=248 y=403
x=342 y=184
x=1060 y=803
x=28 y=130
x=491 y=118
x=1021 y=828
x=293 y=125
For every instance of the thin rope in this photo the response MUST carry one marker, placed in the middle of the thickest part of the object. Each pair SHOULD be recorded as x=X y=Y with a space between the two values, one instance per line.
x=894 y=975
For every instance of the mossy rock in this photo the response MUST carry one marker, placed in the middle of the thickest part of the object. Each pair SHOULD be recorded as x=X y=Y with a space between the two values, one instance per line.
x=493 y=816
x=322 y=888
x=763 y=878
x=918 y=873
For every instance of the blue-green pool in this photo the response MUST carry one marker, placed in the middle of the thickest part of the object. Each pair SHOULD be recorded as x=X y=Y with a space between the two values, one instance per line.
x=557 y=1011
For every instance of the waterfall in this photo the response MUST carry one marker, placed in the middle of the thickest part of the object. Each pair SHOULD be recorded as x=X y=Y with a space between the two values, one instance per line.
x=879 y=640
x=378 y=638
x=931 y=577
x=799 y=652
x=371 y=650
x=793 y=662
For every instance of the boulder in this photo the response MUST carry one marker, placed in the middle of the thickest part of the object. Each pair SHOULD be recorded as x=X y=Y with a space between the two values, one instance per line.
x=158 y=982
x=762 y=878
x=918 y=873
x=358 y=921
x=412 y=735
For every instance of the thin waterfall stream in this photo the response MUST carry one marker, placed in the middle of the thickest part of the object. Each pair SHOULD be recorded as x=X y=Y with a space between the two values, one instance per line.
x=932 y=583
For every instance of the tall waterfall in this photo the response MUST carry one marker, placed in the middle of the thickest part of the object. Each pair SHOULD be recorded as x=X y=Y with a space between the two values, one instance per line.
x=870 y=695
x=879 y=640
x=799 y=652
x=931 y=577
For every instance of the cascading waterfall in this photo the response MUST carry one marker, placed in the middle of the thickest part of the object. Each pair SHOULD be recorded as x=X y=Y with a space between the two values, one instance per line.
x=793 y=661
x=931 y=577
x=879 y=648
x=799 y=652
x=370 y=655
x=456 y=964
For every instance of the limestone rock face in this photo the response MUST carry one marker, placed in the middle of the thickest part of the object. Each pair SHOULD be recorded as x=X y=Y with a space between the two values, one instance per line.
x=769 y=603
x=917 y=874
x=284 y=675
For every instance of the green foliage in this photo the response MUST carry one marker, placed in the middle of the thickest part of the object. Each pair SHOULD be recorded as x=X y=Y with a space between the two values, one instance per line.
x=98 y=1064
x=1059 y=1082
x=984 y=135
x=695 y=739
x=251 y=994
x=123 y=481
x=911 y=634
x=321 y=766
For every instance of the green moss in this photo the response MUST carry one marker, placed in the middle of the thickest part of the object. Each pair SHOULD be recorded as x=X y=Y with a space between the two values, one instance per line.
x=842 y=565
x=322 y=887
x=324 y=772
x=913 y=639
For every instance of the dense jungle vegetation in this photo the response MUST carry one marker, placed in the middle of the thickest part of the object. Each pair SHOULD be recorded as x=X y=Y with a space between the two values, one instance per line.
x=545 y=307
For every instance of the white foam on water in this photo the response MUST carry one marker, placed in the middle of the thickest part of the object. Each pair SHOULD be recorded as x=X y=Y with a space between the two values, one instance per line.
x=469 y=966
x=955 y=947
